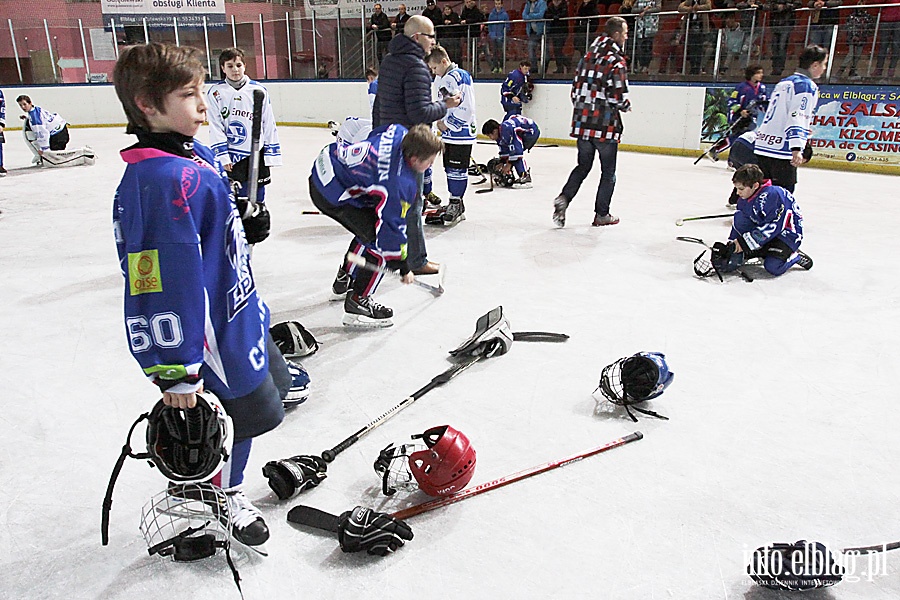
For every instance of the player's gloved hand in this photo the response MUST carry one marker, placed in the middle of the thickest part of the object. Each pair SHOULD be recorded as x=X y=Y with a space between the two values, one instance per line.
x=290 y=476
x=257 y=225
x=725 y=258
x=807 y=152
x=398 y=265
x=376 y=533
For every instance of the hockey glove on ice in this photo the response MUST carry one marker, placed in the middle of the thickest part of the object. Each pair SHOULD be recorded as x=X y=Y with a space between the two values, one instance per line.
x=376 y=533
x=724 y=257
x=290 y=476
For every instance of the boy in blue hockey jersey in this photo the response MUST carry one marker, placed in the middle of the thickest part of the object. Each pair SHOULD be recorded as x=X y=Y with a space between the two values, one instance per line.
x=514 y=136
x=193 y=318
x=368 y=188
x=516 y=90
x=768 y=225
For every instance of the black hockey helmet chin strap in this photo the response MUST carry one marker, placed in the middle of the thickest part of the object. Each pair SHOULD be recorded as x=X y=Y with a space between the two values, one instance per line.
x=107 y=500
x=187 y=549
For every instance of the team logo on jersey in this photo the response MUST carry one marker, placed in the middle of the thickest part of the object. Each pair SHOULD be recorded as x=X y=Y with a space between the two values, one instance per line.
x=237 y=134
x=239 y=256
x=143 y=272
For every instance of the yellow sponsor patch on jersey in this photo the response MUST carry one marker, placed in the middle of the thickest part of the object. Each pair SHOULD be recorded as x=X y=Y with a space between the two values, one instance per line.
x=143 y=272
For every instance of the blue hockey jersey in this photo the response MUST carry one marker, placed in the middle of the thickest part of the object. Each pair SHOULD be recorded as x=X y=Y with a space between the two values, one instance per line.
x=371 y=174
x=771 y=213
x=512 y=131
x=747 y=96
x=512 y=87
x=191 y=305
x=786 y=126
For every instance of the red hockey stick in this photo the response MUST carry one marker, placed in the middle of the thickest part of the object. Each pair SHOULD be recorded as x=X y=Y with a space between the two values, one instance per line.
x=496 y=483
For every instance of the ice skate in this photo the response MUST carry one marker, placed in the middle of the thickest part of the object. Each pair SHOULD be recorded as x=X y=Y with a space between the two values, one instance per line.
x=298 y=393
x=804 y=261
x=560 y=204
x=249 y=527
x=340 y=285
x=455 y=212
x=363 y=312
x=524 y=181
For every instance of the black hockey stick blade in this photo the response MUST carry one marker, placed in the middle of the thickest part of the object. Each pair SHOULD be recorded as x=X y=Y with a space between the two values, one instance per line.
x=693 y=240
x=313 y=517
x=539 y=336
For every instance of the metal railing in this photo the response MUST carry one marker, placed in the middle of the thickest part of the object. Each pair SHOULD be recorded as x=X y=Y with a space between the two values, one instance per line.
x=662 y=46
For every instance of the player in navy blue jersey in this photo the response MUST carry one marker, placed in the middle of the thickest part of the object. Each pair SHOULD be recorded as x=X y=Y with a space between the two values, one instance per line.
x=514 y=136
x=368 y=187
x=193 y=317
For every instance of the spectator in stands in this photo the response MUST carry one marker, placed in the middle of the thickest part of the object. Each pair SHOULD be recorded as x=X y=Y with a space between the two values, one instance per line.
x=381 y=25
x=498 y=29
x=533 y=13
x=823 y=18
x=696 y=22
x=889 y=36
x=448 y=32
x=781 y=25
x=858 y=27
x=645 y=28
x=557 y=35
x=400 y=20
x=432 y=13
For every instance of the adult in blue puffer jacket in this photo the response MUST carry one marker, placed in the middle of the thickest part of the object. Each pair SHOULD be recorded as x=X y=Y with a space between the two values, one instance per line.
x=404 y=97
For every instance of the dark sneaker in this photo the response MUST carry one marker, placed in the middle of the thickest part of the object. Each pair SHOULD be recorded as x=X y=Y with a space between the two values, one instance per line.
x=341 y=285
x=362 y=311
x=601 y=220
x=560 y=204
x=431 y=200
x=429 y=268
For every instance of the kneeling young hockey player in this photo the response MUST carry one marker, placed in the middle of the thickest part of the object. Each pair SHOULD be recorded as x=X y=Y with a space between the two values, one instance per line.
x=514 y=136
x=47 y=135
x=768 y=225
x=193 y=317
x=368 y=188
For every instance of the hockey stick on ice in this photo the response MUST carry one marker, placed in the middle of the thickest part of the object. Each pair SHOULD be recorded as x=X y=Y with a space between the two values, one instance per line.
x=490 y=178
x=313 y=517
x=439 y=380
x=360 y=261
x=744 y=275
x=683 y=220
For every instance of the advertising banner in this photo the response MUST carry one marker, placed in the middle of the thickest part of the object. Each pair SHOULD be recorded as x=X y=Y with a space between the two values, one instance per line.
x=327 y=9
x=853 y=125
x=160 y=13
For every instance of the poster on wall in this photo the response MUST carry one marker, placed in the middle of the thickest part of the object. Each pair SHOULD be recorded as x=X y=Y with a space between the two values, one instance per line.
x=160 y=13
x=852 y=124
x=327 y=9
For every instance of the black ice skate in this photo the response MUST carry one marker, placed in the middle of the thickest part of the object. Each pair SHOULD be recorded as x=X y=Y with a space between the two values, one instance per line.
x=341 y=285
x=249 y=527
x=362 y=311
x=455 y=212
x=805 y=261
x=524 y=181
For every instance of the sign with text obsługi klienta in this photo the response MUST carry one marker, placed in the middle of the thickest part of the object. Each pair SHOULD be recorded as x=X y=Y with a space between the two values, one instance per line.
x=858 y=124
x=160 y=13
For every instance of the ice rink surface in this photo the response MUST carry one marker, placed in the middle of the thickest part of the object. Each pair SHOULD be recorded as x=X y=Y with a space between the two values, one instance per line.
x=783 y=412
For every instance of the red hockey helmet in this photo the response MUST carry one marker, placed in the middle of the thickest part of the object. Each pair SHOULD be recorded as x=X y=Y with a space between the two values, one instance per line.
x=447 y=465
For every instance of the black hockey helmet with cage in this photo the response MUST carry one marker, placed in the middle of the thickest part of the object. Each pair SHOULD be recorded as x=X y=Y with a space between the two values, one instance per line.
x=635 y=379
x=189 y=445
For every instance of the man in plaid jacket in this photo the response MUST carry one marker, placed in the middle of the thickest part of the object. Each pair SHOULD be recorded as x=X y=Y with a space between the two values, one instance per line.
x=599 y=94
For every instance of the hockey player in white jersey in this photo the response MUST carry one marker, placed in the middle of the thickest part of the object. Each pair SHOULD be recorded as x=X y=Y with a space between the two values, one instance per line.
x=457 y=131
x=230 y=126
x=782 y=138
x=47 y=135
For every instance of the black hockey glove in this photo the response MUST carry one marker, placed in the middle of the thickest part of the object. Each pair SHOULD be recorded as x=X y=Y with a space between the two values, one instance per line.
x=807 y=152
x=290 y=476
x=398 y=265
x=724 y=258
x=376 y=533
x=258 y=224
x=796 y=567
